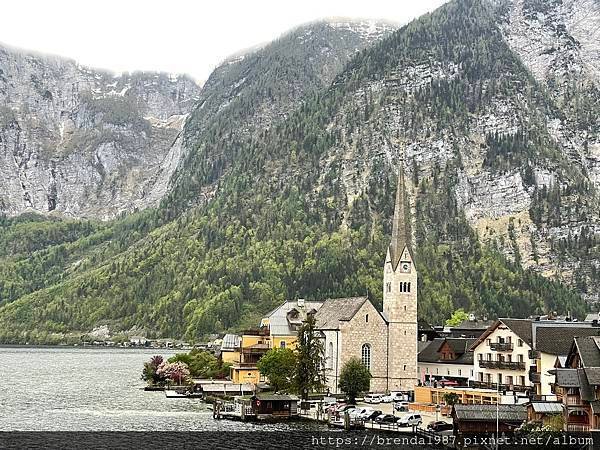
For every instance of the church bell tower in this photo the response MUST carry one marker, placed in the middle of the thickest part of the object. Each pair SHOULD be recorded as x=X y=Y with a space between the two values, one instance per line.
x=400 y=297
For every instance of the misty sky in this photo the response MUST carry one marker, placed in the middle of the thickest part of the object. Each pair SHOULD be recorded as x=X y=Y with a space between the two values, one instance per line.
x=174 y=36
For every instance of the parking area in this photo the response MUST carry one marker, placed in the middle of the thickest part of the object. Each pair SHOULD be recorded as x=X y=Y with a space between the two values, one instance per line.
x=388 y=408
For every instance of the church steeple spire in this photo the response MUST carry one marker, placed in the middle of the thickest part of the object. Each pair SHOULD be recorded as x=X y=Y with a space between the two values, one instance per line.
x=400 y=225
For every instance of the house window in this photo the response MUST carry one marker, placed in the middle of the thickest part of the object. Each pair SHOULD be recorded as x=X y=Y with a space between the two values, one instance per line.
x=408 y=287
x=366 y=356
x=388 y=287
x=499 y=378
x=480 y=356
x=367 y=318
x=427 y=370
x=459 y=372
x=282 y=344
x=330 y=359
x=520 y=342
x=448 y=371
x=404 y=307
x=489 y=342
x=520 y=358
x=404 y=368
x=522 y=380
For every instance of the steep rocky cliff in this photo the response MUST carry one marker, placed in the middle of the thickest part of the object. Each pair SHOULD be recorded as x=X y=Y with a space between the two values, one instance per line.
x=83 y=142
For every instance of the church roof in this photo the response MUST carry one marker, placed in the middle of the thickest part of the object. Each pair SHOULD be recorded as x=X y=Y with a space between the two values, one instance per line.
x=335 y=310
x=400 y=224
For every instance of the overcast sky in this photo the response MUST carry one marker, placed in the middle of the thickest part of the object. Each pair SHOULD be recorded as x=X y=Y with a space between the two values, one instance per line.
x=174 y=35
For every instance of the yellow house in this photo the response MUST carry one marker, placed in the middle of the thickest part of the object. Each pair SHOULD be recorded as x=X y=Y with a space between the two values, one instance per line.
x=253 y=344
x=283 y=322
x=277 y=330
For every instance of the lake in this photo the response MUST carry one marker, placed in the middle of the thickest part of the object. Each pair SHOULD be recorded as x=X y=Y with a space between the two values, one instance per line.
x=97 y=389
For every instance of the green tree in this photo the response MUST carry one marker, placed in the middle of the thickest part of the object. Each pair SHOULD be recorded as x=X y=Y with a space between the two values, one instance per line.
x=279 y=366
x=458 y=317
x=309 y=376
x=354 y=379
x=450 y=398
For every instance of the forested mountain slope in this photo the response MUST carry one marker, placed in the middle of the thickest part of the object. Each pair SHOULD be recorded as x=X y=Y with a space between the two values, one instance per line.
x=298 y=204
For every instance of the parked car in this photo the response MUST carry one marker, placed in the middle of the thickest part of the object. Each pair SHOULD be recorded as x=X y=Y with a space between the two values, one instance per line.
x=399 y=396
x=440 y=425
x=401 y=406
x=386 y=418
x=374 y=415
x=388 y=398
x=343 y=408
x=410 y=420
x=361 y=413
x=373 y=398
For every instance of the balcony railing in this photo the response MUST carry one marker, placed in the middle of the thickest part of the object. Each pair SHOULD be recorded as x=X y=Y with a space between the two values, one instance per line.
x=510 y=365
x=535 y=377
x=503 y=387
x=501 y=346
x=573 y=400
x=578 y=427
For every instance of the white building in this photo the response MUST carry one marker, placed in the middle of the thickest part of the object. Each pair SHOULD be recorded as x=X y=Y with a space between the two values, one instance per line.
x=447 y=361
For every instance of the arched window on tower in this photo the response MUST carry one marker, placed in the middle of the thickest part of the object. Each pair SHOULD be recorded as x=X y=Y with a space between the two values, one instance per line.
x=366 y=356
x=408 y=287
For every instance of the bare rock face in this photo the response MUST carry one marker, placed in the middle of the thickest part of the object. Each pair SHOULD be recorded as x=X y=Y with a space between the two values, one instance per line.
x=83 y=142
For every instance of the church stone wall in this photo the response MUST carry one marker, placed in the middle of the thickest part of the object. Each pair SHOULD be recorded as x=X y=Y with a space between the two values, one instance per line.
x=359 y=331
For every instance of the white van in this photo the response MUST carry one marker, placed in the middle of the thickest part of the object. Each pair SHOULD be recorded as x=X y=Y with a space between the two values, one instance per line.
x=373 y=398
x=410 y=420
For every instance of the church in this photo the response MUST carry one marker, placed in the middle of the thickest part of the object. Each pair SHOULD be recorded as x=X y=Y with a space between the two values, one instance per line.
x=385 y=341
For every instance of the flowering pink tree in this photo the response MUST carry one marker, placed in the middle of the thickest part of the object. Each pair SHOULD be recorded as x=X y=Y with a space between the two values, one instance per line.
x=177 y=372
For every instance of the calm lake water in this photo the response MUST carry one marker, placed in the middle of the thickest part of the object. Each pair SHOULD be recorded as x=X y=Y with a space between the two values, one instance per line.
x=95 y=389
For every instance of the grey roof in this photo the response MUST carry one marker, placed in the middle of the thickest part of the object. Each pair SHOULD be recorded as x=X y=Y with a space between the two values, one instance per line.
x=521 y=327
x=422 y=345
x=589 y=350
x=488 y=413
x=400 y=223
x=567 y=378
x=558 y=340
x=460 y=346
x=231 y=342
x=547 y=407
x=585 y=390
x=593 y=375
x=335 y=310
x=474 y=325
x=281 y=323
x=275 y=397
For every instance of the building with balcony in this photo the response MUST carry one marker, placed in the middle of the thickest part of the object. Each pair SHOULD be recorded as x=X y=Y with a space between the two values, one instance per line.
x=447 y=361
x=577 y=385
x=253 y=344
x=501 y=356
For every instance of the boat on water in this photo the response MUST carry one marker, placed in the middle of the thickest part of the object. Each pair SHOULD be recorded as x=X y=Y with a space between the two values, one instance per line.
x=182 y=393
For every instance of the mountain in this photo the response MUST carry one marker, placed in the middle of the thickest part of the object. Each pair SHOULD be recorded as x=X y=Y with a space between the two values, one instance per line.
x=84 y=142
x=286 y=181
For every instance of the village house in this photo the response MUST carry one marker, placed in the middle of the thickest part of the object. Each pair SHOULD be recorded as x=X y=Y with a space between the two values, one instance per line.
x=447 y=361
x=285 y=320
x=501 y=356
x=577 y=385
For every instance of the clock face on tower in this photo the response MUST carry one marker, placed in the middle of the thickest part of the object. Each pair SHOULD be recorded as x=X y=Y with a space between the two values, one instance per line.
x=405 y=267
